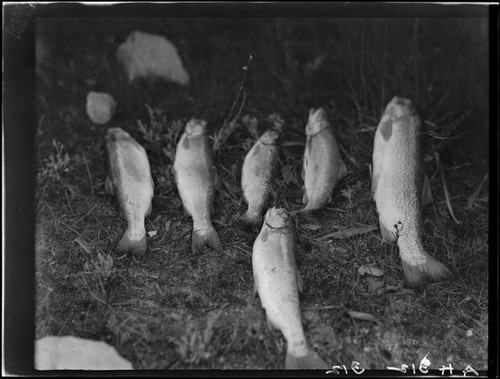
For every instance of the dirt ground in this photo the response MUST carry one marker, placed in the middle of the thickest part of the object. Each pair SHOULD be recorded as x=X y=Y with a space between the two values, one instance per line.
x=173 y=309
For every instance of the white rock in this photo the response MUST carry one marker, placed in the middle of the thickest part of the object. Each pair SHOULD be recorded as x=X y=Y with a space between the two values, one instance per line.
x=73 y=353
x=100 y=107
x=144 y=54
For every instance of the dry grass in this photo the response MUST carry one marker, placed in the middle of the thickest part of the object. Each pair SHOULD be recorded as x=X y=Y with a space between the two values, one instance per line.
x=175 y=310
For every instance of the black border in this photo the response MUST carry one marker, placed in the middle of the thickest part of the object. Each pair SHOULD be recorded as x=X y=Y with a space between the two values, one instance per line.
x=19 y=185
x=19 y=179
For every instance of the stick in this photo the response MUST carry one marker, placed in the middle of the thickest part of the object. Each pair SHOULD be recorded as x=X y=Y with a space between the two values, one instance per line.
x=90 y=176
x=445 y=187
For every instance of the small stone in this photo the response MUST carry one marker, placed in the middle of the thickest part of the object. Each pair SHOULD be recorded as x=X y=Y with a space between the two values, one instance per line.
x=100 y=107
x=144 y=54
x=73 y=353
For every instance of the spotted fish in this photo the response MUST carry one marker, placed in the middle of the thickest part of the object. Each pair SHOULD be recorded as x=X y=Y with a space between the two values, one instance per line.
x=400 y=187
x=278 y=282
x=323 y=165
x=259 y=168
x=195 y=174
x=130 y=181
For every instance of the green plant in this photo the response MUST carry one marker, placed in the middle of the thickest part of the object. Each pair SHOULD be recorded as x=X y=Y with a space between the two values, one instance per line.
x=195 y=346
x=95 y=277
x=57 y=164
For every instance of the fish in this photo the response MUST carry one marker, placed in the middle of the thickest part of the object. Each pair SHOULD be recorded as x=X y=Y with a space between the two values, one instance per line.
x=323 y=166
x=259 y=169
x=400 y=188
x=195 y=176
x=129 y=179
x=277 y=282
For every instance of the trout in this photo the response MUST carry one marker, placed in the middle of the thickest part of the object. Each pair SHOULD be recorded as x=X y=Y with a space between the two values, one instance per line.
x=129 y=179
x=195 y=173
x=259 y=168
x=323 y=165
x=400 y=187
x=278 y=282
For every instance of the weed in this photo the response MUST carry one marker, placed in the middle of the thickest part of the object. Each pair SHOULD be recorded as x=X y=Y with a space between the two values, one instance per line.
x=57 y=164
x=95 y=277
x=252 y=125
x=195 y=346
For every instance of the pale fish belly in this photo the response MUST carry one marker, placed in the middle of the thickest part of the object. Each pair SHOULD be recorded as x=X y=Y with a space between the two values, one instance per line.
x=320 y=173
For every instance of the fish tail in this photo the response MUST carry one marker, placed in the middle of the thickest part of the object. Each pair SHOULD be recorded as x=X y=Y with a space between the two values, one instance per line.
x=136 y=246
x=250 y=219
x=306 y=209
x=205 y=237
x=310 y=361
x=430 y=271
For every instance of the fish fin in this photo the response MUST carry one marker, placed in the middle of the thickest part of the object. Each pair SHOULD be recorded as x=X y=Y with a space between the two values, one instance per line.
x=217 y=180
x=256 y=149
x=430 y=271
x=387 y=235
x=263 y=235
x=150 y=208
x=270 y=323
x=426 y=191
x=249 y=220
x=300 y=282
x=126 y=245
x=311 y=361
x=255 y=290
x=205 y=237
x=374 y=185
x=385 y=128
x=304 y=198
x=342 y=170
x=174 y=172
x=108 y=186
x=306 y=209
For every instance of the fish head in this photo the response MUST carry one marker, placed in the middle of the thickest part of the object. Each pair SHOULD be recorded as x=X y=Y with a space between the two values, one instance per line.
x=115 y=134
x=400 y=107
x=277 y=218
x=317 y=121
x=270 y=137
x=196 y=127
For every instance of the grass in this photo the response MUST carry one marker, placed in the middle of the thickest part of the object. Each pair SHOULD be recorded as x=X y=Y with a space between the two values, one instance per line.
x=175 y=310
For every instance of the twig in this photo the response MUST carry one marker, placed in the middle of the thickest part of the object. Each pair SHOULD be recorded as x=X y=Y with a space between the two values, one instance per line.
x=240 y=89
x=90 y=176
x=240 y=109
x=445 y=187
x=85 y=215
x=351 y=232
x=323 y=307
x=229 y=123
x=69 y=202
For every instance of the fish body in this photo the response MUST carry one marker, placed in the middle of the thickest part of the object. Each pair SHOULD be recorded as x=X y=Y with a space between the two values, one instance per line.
x=259 y=168
x=323 y=165
x=195 y=173
x=399 y=188
x=277 y=281
x=130 y=181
